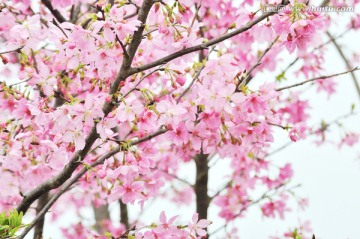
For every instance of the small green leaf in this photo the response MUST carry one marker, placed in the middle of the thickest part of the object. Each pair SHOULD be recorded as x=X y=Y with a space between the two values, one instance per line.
x=281 y=77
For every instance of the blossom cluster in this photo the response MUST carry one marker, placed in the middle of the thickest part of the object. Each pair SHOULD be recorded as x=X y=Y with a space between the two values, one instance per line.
x=66 y=101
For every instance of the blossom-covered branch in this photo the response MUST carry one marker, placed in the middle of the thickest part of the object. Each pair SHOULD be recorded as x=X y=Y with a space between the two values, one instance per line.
x=57 y=181
x=203 y=46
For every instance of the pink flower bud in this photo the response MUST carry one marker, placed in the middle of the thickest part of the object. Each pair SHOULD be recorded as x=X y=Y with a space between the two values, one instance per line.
x=101 y=173
x=181 y=80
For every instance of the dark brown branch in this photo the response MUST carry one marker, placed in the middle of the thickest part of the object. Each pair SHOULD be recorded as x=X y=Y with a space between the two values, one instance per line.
x=122 y=46
x=130 y=15
x=124 y=217
x=68 y=170
x=124 y=72
x=59 y=179
x=150 y=136
x=75 y=11
x=317 y=78
x=39 y=227
x=324 y=3
x=60 y=28
x=73 y=180
x=202 y=46
x=64 y=188
x=11 y=51
x=60 y=18
x=201 y=185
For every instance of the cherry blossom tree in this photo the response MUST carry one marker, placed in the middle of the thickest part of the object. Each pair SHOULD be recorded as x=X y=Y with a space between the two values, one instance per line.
x=106 y=102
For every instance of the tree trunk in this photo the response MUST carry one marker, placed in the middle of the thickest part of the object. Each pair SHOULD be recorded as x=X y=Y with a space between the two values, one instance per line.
x=39 y=227
x=124 y=217
x=201 y=185
x=101 y=214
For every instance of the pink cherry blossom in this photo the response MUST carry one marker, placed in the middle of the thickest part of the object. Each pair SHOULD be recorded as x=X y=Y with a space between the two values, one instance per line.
x=199 y=225
x=297 y=133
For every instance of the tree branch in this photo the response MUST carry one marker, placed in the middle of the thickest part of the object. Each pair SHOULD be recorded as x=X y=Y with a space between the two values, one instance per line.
x=316 y=48
x=73 y=180
x=203 y=45
x=64 y=188
x=60 y=18
x=323 y=127
x=10 y=51
x=317 y=78
x=248 y=77
x=66 y=173
x=39 y=227
x=262 y=197
x=75 y=11
x=124 y=72
x=201 y=185
x=347 y=62
x=124 y=217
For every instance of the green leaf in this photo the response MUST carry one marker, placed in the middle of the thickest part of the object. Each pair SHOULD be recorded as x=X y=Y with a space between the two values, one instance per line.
x=298 y=236
x=10 y=223
x=281 y=77
x=107 y=8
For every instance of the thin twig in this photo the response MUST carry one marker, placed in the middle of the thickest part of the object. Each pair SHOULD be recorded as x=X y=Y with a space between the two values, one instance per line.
x=248 y=77
x=317 y=48
x=195 y=16
x=122 y=46
x=130 y=15
x=10 y=51
x=279 y=149
x=17 y=83
x=262 y=197
x=323 y=128
x=75 y=11
x=347 y=62
x=35 y=62
x=58 y=26
x=194 y=79
x=175 y=177
x=317 y=78
x=141 y=80
x=191 y=84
